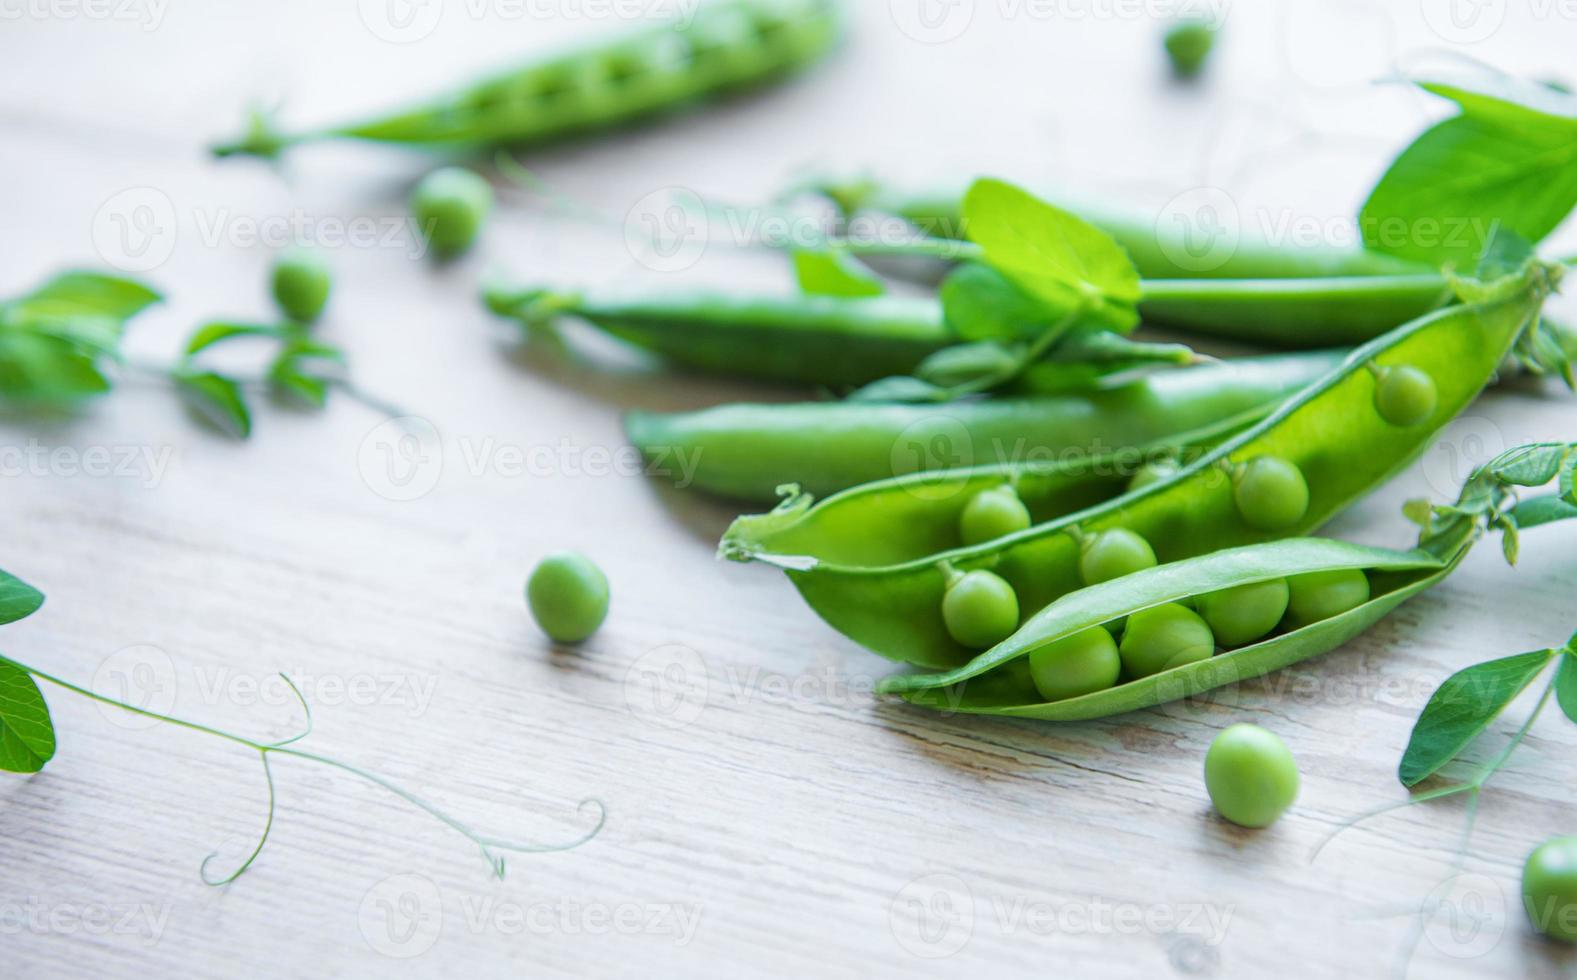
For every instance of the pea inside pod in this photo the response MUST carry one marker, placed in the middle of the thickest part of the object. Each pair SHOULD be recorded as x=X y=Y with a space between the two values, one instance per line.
x=1331 y=432
x=1168 y=651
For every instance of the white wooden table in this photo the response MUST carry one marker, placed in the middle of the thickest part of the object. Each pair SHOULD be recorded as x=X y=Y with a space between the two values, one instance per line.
x=765 y=813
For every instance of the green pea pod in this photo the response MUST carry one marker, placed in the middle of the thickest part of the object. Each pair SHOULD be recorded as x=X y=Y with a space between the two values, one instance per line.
x=998 y=683
x=908 y=518
x=829 y=340
x=1293 y=312
x=1159 y=249
x=747 y=451
x=723 y=47
x=1331 y=431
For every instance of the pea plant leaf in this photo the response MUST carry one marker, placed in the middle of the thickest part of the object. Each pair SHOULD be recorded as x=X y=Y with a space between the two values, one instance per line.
x=84 y=294
x=53 y=338
x=215 y=399
x=1505 y=99
x=1566 y=681
x=980 y=303
x=27 y=736
x=1462 y=707
x=18 y=600
x=1051 y=254
x=210 y=334
x=831 y=272
x=962 y=364
x=1501 y=163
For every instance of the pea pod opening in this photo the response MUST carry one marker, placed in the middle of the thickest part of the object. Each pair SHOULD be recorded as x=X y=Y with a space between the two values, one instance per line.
x=723 y=47
x=1331 y=433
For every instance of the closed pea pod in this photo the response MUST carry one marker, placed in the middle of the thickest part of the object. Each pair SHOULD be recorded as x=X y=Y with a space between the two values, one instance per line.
x=892 y=607
x=721 y=47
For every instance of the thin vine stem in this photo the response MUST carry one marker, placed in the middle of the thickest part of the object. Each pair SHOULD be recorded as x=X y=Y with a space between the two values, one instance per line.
x=486 y=843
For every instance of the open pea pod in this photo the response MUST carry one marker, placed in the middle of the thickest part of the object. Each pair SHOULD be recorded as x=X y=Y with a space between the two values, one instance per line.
x=911 y=517
x=1334 y=432
x=998 y=681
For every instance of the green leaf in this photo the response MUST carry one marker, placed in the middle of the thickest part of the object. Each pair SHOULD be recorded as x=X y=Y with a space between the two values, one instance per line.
x=27 y=736
x=1463 y=707
x=217 y=400
x=289 y=381
x=834 y=273
x=1105 y=347
x=37 y=367
x=966 y=363
x=210 y=334
x=980 y=303
x=1055 y=256
x=1532 y=465
x=1542 y=510
x=1446 y=194
x=18 y=600
x=1566 y=684
x=74 y=294
x=1505 y=100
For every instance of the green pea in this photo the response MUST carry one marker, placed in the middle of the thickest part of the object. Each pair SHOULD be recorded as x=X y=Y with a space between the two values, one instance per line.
x=992 y=514
x=1113 y=554
x=1251 y=775
x=1405 y=396
x=1244 y=613
x=1549 y=888
x=300 y=283
x=568 y=596
x=1083 y=663
x=1163 y=637
x=1320 y=595
x=1153 y=471
x=1270 y=493
x=980 y=610
x=1188 y=44
x=450 y=205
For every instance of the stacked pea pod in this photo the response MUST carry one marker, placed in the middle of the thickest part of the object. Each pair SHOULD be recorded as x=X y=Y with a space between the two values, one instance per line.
x=1009 y=449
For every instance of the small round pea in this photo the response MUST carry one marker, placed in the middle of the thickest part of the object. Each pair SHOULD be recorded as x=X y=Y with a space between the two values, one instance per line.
x=980 y=610
x=1153 y=471
x=568 y=596
x=1251 y=775
x=1079 y=664
x=1270 y=493
x=1549 y=888
x=992 y=514
x=1405 y=396
x=1113 y=554
x=1163 y=637
x=1244 y=613
x=300 y=284
x=1188 y=44
x=450 y=205
x=1318 y=596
